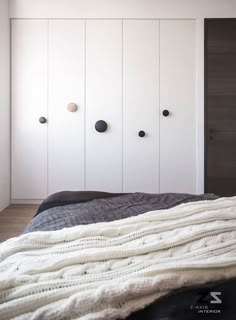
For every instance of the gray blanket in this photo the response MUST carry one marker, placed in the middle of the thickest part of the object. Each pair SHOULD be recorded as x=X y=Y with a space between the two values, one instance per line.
x=107 y=209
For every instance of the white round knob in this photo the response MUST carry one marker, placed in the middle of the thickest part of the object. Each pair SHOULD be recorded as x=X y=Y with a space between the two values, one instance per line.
x=72 y=107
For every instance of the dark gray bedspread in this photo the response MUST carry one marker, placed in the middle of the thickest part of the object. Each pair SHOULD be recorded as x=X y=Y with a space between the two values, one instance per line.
x=107 y=209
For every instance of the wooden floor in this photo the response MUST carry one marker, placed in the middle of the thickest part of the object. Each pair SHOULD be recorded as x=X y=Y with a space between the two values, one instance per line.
x=14 y=219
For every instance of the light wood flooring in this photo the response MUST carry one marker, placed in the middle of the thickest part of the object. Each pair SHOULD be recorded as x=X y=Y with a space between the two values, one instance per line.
x=14 y=219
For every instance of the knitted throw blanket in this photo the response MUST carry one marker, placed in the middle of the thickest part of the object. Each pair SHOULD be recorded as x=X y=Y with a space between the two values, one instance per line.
x=107 y=270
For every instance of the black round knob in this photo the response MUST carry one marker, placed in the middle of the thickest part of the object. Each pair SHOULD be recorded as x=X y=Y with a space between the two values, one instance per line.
x=141 y=133
x=101 y=126
x=166 y=113
x=42 y=120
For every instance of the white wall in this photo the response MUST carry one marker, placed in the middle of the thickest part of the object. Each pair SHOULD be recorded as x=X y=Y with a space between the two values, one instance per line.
x=4 y=105
x=122 y=8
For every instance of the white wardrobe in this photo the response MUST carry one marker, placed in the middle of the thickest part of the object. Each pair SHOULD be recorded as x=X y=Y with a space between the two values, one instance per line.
x=137 y=76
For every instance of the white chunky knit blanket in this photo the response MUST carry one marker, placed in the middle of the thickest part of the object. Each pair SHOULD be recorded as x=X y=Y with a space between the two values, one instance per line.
x=107 y=270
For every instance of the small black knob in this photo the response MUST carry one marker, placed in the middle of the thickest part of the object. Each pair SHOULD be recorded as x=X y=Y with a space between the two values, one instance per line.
x=166 y=113
x=42 y=120
x=101 y=126
x=141 y=133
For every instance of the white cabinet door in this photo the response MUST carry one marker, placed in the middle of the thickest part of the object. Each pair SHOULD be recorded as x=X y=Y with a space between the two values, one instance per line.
x=66 y=85
x=104 y=102
x=29 y=103
x=141 y=106
x=178 y=96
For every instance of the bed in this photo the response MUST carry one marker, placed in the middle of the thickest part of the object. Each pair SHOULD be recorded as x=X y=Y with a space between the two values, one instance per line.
x=97 y=255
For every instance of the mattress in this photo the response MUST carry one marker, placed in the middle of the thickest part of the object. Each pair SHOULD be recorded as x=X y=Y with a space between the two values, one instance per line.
x=67 y=209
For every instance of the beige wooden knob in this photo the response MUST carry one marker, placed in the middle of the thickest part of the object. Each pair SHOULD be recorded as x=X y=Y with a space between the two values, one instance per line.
x=72 y=107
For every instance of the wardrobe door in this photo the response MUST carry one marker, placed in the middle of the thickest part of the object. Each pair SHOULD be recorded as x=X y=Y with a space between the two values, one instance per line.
x=141 y=106
x=66 y=90
x=29 y=103
x=104 y=104
x=177 y=106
